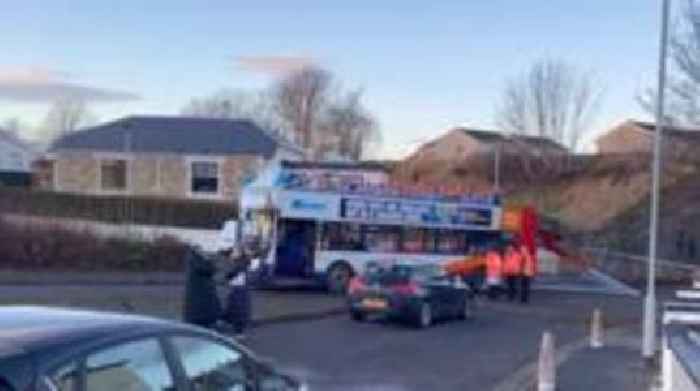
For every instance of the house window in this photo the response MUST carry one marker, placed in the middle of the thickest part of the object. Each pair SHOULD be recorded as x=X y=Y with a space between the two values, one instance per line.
x=204 y=178
x=113 y=174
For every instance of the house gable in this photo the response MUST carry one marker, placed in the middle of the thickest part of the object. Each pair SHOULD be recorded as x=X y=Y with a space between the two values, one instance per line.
x=464 y=142
x=636 y=136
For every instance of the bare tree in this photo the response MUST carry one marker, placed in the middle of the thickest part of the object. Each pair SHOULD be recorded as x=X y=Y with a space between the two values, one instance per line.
x=13 y=125
x=256 y=106
x=65 y=116
x=300 y=98
x=683 y=94
x=551 y=99
x=307 y=106
x=353 y=127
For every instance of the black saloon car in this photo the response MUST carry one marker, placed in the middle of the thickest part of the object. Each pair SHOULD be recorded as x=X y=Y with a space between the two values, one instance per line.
x=48 y=349
x=419 y=294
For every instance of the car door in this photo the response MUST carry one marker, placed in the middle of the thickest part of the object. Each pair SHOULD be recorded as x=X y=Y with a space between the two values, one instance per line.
x=441 y=299
x=136 y=365
x=210 y=365
x=459 y=292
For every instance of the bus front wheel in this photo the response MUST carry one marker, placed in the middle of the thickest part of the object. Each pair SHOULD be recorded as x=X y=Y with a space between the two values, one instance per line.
x=338 y=277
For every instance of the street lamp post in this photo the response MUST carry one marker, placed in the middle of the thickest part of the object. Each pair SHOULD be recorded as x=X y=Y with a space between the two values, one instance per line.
x=649 y=332
x=497 y=169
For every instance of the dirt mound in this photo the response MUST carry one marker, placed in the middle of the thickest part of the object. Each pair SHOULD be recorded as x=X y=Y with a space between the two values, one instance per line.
x=584 y=193
x=679 y=223
x=608 y=189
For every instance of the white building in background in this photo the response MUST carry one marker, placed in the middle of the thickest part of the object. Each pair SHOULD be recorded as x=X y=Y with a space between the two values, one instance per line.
x=16 y=159
x=16 y=156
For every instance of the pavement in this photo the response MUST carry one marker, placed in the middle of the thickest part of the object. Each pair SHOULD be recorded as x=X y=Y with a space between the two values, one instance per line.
x=618 y=368
x=591 y=281
x=166 y=300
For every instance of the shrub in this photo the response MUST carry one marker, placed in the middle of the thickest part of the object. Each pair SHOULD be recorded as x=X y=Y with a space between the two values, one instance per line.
x=55 y=248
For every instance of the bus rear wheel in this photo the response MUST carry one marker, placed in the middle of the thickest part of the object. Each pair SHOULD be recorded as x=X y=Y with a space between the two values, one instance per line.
x=338 y=277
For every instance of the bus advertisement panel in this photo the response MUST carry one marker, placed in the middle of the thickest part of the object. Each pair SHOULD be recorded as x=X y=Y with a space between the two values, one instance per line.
x=391 y=211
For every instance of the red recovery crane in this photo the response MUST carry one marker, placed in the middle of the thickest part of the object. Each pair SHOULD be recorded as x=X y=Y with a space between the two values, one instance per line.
x=521 y=222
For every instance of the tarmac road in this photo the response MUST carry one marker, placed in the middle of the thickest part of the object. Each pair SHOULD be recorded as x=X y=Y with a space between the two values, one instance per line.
x=339 y=354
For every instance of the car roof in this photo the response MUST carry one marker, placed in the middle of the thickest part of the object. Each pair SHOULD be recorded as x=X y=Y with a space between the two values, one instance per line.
x=402 y=264
x=32 y=329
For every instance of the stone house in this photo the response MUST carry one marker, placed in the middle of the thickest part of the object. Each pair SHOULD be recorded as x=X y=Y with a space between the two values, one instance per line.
x=461 y=143
x=638 y=137
x=159 y=156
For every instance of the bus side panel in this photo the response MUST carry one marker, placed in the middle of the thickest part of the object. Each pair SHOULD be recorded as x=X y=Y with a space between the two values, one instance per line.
x=358 y=259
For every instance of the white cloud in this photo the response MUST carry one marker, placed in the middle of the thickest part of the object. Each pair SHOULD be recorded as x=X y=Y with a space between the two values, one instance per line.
x=42 y=84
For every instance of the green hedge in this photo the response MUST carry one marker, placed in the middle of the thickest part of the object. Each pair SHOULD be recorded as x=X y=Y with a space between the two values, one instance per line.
x=118 y=209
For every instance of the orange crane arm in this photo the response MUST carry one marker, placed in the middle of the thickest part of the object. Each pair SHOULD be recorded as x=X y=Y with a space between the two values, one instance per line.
x=465 y=266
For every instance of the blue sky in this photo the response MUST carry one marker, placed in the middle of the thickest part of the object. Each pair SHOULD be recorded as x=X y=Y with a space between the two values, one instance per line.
x=424 y=67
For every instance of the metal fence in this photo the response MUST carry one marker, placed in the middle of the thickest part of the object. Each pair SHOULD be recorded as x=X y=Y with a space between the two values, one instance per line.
x=632 y=269
x=680 y=354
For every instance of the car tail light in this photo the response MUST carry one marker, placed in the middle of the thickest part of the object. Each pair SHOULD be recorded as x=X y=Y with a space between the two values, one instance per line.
x=410 y=288
x=357 y=284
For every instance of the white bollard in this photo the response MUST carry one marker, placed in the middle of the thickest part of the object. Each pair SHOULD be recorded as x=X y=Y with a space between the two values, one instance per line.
x=597 y=329
x=547 y=365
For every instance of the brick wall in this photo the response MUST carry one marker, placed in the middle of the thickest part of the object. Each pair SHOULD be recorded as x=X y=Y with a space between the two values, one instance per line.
x=144 y=176
x=234 y=170
x=76 y=174
x=628 y=138
x=173 y=177
x=625 y=138
x=150 y=175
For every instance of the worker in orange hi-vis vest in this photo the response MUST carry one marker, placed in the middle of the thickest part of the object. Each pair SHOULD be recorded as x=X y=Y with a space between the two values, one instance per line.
x=513 y=270
x=529 y=264
x=494 y=272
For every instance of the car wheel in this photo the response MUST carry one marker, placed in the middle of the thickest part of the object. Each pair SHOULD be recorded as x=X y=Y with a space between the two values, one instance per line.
x=357 y=316
x=424 y=318
x=468 y=310
x=338 y=278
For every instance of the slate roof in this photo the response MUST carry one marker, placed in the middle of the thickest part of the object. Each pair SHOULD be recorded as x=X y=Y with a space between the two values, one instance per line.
x=174 y=134
x=489 y=137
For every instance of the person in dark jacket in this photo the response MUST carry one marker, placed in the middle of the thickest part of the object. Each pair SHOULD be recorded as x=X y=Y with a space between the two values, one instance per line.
x=202 y=306
x=238 y=301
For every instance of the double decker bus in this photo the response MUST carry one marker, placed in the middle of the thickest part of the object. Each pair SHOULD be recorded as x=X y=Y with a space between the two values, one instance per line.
x=326 y=225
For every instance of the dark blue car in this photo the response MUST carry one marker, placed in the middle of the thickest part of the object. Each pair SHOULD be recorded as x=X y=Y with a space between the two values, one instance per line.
x=420 y=294
x=47 y=349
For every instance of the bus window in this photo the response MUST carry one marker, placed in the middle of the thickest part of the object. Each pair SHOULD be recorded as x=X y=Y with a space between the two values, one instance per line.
x=451 y=242
x=382 y=238
x=342 y=237
x=430 y=240
x=482 y=238
x=415 y=240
